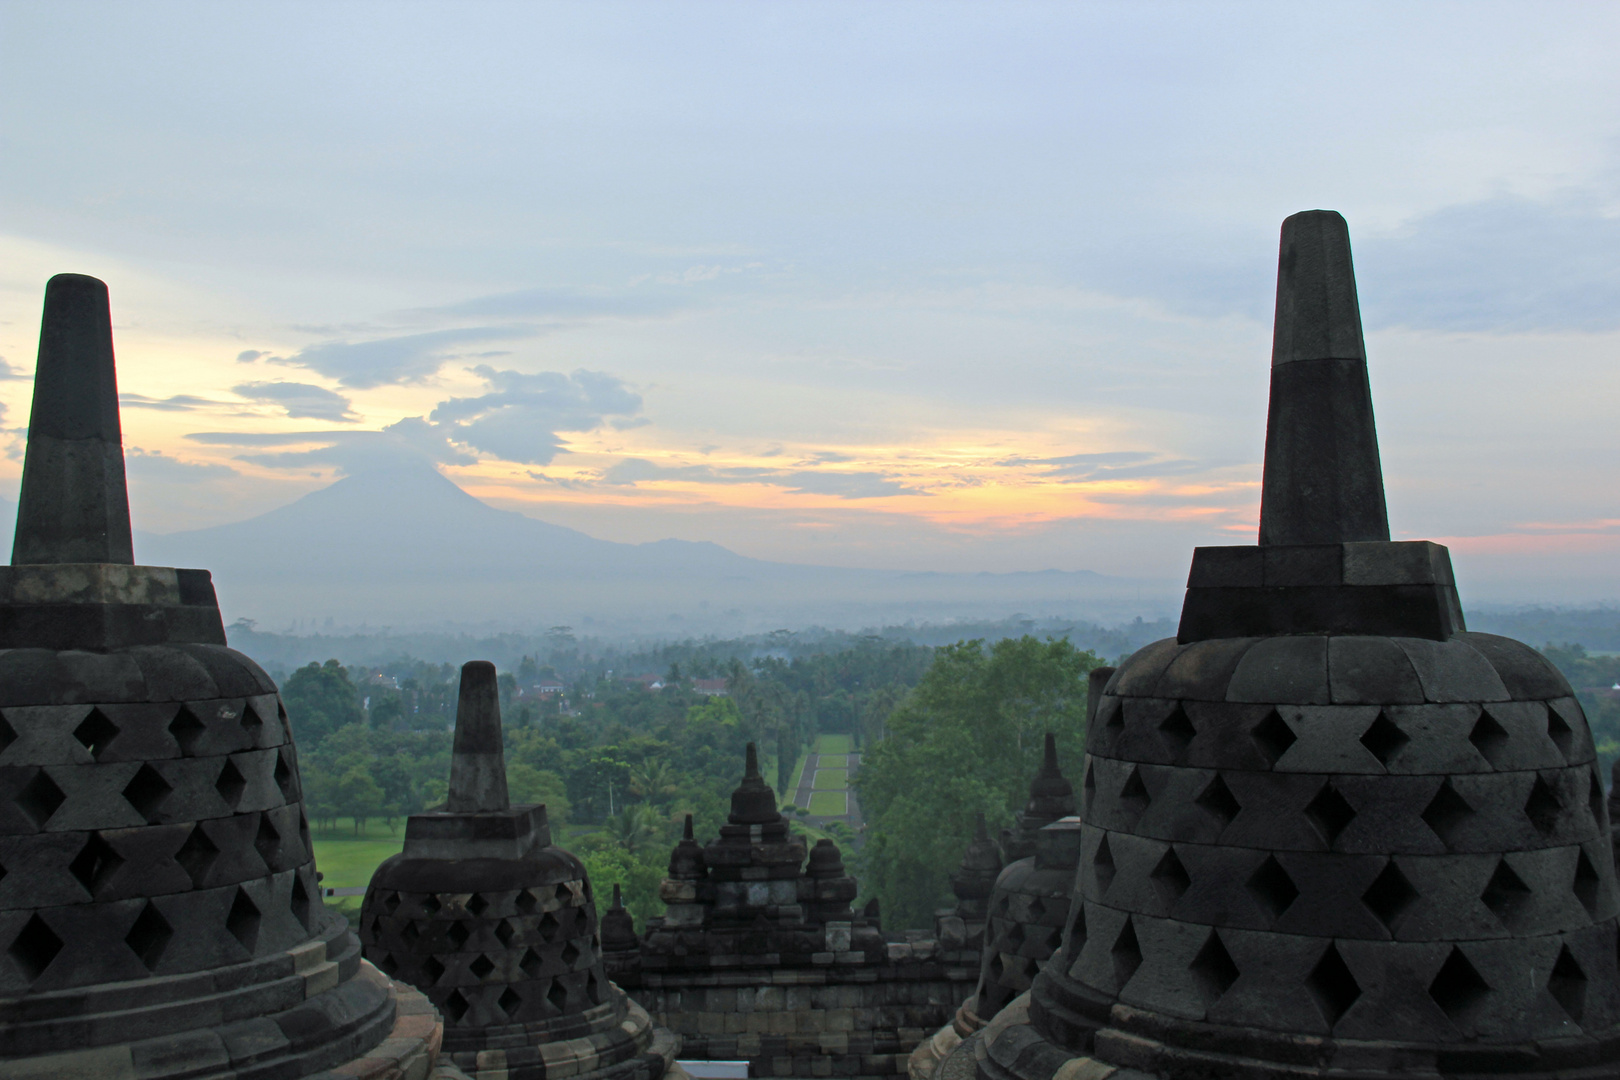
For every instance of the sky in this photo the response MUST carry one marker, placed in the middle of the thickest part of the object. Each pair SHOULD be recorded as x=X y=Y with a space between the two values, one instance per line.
x=979 y=287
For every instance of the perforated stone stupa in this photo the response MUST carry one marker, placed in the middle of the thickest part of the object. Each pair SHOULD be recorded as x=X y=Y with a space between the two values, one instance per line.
x=498 y=927
x=159 y=913
x=1327 y=831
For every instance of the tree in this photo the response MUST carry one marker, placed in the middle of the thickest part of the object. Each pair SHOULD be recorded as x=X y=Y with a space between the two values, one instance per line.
x=635 y=828
x=320 y=699
x=359 y=797
x=967 y=738
x=527 y=784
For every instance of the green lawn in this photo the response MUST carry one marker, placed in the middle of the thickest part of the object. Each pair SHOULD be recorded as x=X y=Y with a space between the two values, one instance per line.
x=832 y=761
x=829 y=803
x=833 y=744
x=350 y=862
x=832 y=780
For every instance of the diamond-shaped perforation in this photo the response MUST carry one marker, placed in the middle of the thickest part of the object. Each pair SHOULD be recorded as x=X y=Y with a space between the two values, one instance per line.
x=504 y=932
x=1133 y=795
x=187 y=728
x=593 y=987
x=391 y=903
x=34 y=947
x=266 y=840
x=1177 y=732
x=510 y=1002
x=1506 y=895
x=1213 y=969
x=388 y=965
x=558 y=995
x=1390 y=896
x=547 y=927
x=149 y=936
x=1384 y=739
x=481 y=967
x=1594 y=799
x=8 y=734
x=455 y=1006
x=458 y=933
x=230 y=784
x=1102 y=864
x=243 y=920
x=412 y=933
x=525 y=902
x=433 y=968
x=1567 y=984
x=1587 y=885
x=530 y=965
x=1037 y=908
x=1332 y=986
x=197 y=855
x=1559 y=732
x=1458 y=987
x=1114 y=718
x=1218 y=801
x=1126 y=953
x=476 y=904
x=146 y=792
x=250 y=720
x=1490 y=738
x=565 y=895
x=570 y=955
x=430 y=904
x=1543 y=807
x=1446 y=812
x=1330 y=812
x=300 y=902
x=40 y=798
x=1088 y=788
x=95 y=732
x=1272 y=888
x=1170 y=878
x=95 y=864
x=1273 y=736
x=285 y=778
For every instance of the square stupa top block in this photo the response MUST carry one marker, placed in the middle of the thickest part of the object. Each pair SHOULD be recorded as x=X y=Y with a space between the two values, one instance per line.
x=1390 y=588
x=513 y=833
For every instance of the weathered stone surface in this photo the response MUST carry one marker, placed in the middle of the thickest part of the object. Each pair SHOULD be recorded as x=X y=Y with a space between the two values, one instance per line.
x=159 y=911
x=498 y=927
x=1367 y=843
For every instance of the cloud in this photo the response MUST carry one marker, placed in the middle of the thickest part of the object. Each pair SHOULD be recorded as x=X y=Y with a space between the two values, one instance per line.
x=7 y=372
x=409 y=358
x=1503 y=265
x=1113 y=465
x=247 y=356
x=176 y=403
x=518 y=420
x=560 y=304
x=844 y=485
x=299 y=400
x=156 y=465
x=411 y=439
x=520 y=417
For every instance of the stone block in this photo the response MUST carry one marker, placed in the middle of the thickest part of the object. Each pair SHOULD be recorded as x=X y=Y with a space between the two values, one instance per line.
x=1365 y=669
x=1285 y=670
x=1227 y=567
x=1528 y=675
x=1139 y=675
x=1453 y=671
x=1203 y=669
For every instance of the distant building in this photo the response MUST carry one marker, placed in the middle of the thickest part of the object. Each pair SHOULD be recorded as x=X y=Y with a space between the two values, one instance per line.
x=711 y=687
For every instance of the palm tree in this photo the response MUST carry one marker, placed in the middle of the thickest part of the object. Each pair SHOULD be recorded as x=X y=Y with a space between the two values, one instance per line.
x=653 y=779
x=634 y=827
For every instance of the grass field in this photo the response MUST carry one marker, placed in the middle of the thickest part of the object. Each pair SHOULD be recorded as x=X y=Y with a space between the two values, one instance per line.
x=832 y=744
x=832 y=761
x=832 y=780
x=829 y=803
x=350 y=862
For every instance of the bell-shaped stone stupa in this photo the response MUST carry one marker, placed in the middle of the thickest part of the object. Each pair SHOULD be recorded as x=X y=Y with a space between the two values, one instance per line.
x=159 y=912
x=498 y=927
x=1328 y=832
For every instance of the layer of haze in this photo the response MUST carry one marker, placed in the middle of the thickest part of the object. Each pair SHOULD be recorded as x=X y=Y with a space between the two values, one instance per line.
x=981 y=287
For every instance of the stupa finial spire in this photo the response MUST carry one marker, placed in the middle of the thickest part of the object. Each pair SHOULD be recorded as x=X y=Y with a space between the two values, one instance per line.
x=1323 y=481
x=74 y=506
x=478 y=764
